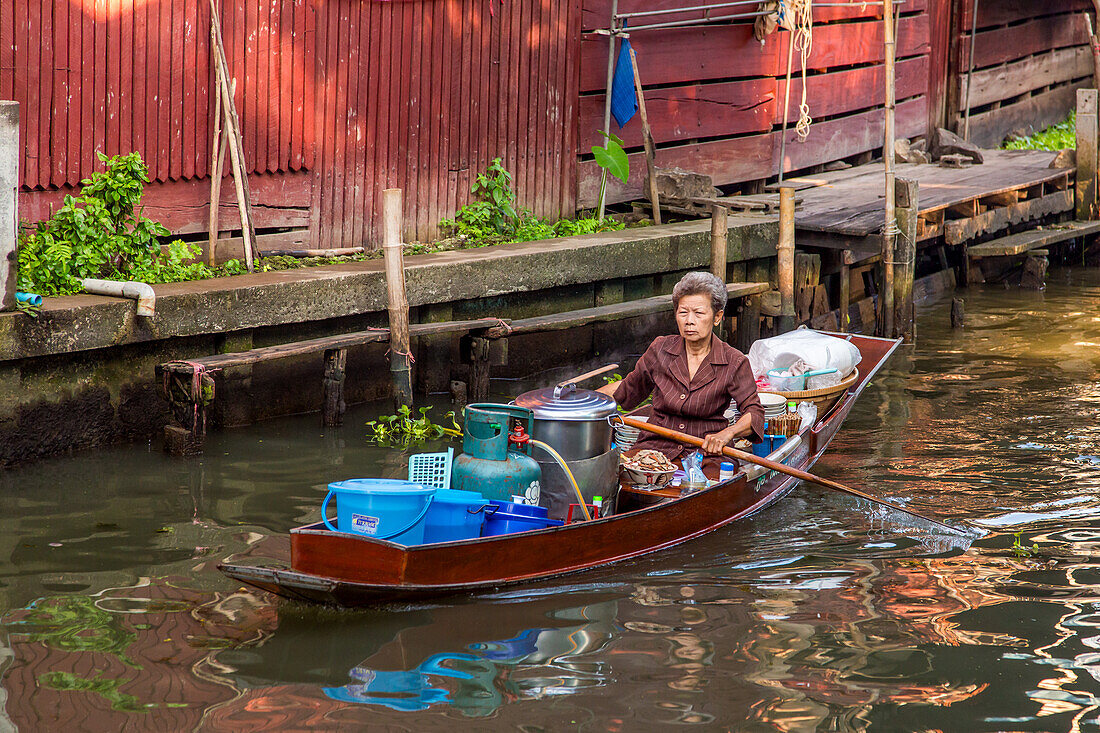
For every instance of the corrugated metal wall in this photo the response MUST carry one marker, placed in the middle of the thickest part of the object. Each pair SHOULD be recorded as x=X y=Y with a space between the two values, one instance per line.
x=362 y=94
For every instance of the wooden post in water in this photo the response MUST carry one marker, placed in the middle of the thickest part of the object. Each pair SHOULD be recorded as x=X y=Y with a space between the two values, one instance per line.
x=400 y=349
x=785 y=255
x=906 y=193
x=1086 y=196
x=332 y=411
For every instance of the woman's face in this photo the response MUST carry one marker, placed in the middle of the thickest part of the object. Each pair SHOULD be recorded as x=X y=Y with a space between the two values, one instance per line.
x=695 y=317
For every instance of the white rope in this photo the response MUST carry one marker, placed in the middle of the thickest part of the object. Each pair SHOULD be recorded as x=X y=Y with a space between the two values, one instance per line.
x=797 y=17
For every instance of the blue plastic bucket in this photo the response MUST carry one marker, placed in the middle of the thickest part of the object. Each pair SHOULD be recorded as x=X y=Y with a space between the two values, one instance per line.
x=385 y=509
x=502 y=522
x=769 y=445
x=454 y=515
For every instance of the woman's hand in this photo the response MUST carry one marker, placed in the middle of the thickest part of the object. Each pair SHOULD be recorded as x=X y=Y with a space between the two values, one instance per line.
x=713 y=443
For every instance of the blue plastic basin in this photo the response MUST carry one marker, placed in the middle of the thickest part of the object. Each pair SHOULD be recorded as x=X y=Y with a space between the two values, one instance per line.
x=454 y=515
x=522 y=510
x=502 y=522
x=385 y=509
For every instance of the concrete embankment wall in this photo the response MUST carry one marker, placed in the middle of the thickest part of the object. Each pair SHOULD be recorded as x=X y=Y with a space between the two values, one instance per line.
x=82 y=373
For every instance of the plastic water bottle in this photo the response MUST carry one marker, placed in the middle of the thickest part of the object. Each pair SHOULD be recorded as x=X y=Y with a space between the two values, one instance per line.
x=597 y=501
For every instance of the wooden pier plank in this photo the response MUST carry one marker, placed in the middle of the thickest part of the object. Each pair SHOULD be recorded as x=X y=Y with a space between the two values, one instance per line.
x=1017 y=244
x=860 y=215
x=614 y=312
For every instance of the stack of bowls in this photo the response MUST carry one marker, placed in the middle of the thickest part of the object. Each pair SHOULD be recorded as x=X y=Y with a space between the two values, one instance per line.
x=774 y=405
x=625 y=436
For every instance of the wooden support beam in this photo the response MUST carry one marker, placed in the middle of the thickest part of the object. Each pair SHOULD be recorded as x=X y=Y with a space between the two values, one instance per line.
x=719 y=231
x=479 y=369
x=906 y=210
x=748 y=323
x=845 y=297
x=1086 y=195
x=333 y=408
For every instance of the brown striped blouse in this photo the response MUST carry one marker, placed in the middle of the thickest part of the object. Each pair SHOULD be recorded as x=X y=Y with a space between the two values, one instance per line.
x=691 y=405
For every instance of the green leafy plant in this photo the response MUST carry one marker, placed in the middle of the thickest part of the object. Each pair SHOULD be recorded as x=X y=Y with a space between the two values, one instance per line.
x=102 y=234
x=1019 y=549
x=612 y=158
x=494 y=217
x=405 y=429
x=1056 y=137
x=493 y=212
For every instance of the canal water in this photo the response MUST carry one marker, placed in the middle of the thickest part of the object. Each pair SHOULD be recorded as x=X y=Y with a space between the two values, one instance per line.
x=818 y=614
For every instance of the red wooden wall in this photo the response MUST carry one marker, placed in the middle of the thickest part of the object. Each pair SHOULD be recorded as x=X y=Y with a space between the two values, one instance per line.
x=1029 y=60
x=715 y=95
x=338 y=99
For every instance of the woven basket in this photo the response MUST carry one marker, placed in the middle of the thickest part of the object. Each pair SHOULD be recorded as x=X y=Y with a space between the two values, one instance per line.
x=825 y=397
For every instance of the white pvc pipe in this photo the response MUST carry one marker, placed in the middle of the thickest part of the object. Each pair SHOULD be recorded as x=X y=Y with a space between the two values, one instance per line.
x=141 y=292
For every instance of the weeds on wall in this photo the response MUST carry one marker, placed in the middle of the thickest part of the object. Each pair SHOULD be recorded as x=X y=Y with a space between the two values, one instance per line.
x=494 y=217
x=102 y=234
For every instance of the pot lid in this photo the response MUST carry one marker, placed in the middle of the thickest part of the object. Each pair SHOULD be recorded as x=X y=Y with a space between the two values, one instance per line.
x=568 y=403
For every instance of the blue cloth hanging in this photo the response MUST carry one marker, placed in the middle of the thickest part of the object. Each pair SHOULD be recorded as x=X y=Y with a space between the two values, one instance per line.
x=624 y=104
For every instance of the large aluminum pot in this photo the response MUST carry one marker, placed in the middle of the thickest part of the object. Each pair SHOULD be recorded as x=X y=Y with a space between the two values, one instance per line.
x=572 y=421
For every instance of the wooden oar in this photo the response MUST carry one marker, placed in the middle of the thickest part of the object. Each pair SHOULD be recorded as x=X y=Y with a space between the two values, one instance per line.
x=772 y=465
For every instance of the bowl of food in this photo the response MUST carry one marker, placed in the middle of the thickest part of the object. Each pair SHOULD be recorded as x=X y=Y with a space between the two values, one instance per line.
x=647 y=468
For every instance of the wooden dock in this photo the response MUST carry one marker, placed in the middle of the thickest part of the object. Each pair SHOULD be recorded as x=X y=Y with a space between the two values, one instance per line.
x=843 y=209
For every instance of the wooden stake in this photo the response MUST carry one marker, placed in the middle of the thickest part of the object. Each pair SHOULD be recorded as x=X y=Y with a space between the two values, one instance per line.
x=907 y=211
x=236 y=144
x=400 y=349
x=220 y=142
x=719 y=230
x=650 y=148
x=886 y=296
x=1087 y=118
x=785 y=256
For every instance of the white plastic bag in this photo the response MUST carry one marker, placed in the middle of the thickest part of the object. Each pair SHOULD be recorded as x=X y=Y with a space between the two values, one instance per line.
x=808 y=412
x=817 y=350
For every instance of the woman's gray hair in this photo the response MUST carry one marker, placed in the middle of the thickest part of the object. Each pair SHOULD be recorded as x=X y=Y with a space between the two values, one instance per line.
x=701 y=283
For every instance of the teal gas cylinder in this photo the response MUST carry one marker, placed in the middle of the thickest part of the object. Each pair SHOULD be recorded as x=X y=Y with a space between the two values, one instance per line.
x=496 y=460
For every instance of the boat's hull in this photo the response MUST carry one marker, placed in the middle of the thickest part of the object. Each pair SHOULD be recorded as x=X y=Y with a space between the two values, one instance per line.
x=352 y=570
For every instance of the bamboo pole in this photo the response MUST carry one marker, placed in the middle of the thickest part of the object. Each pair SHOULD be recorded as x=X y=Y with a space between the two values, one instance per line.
x=785 y=256
x=890 y=228
x=719 y=231
x=400 y=350
x=607 y=100
x=216 y=167
x=647 y=140
x=236 y=143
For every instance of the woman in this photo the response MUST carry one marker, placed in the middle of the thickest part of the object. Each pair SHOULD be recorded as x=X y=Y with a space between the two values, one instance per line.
x=694 y=376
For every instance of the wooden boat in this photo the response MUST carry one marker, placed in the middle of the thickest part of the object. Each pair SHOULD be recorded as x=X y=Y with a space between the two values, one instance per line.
x=350 y=570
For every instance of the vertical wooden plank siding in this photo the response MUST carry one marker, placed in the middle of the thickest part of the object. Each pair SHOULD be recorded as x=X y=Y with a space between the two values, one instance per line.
x=359 y=94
